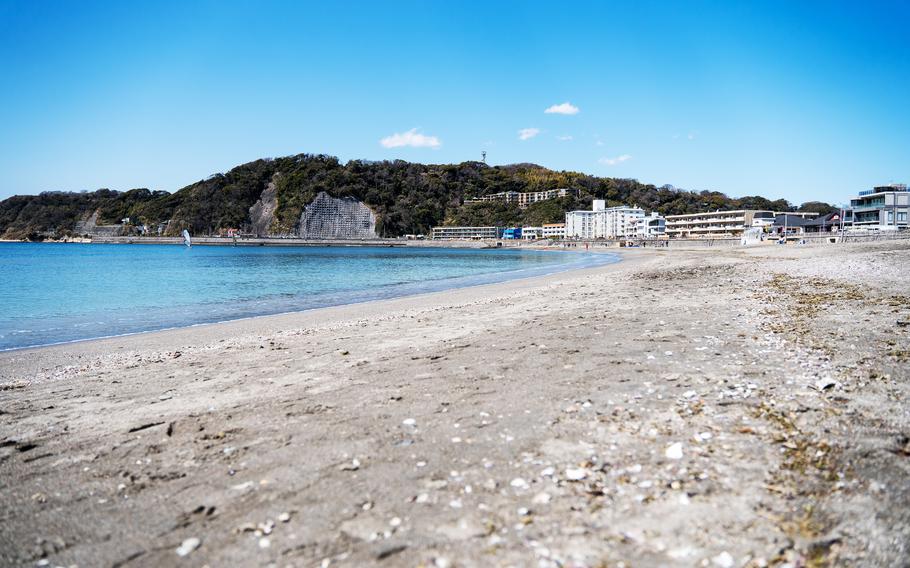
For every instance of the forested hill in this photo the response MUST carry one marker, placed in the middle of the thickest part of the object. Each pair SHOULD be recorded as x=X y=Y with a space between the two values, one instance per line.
x=406 y=197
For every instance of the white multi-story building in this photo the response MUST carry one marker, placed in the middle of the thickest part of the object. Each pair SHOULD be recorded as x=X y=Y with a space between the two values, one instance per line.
x=531 y=233
x=580 y=224
x=721 y=224
x=554 y=230
x=651 y=227
x=611 y=222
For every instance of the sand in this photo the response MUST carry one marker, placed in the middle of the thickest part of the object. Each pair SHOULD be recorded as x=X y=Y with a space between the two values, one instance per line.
x=710 y=407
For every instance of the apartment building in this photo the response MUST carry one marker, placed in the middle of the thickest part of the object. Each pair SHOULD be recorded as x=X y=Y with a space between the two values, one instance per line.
x=580 y=224
x=531 y=233
x=504 y=196
x=720 y=224
x=466 y=233
x=881 y=208
x=554 y=230
x=651 y=227
x=524 y=199
x=611 y=222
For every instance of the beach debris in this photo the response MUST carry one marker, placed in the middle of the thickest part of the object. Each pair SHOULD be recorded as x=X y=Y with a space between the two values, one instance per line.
x=541 y=498
x=188 y=546
x=18 y=384
x=575 y=473
x=391 y=551
x=723 y=560
x=354 y=465
x=674 y=451
x=144 y=427
x=409 y=422
x=824 y=384
x=519 y=483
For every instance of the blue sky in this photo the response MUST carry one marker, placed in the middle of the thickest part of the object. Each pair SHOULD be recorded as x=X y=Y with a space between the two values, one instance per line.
x=802 y=100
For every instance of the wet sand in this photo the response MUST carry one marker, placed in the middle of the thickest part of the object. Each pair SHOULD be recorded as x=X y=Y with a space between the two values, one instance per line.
x=728 y=407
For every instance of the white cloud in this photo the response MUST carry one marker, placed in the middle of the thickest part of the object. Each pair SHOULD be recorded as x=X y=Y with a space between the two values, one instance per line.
x=527 y=133
x=615 y=161
x=564 y=138
x=564 y=108
x=599 y=143
x=410 y=138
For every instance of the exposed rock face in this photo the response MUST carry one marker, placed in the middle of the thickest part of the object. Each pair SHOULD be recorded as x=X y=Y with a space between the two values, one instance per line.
x=89 y=226
x=329 y=217
x=262 y=213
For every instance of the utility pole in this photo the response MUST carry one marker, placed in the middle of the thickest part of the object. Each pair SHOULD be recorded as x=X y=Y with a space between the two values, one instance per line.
x=842 y=225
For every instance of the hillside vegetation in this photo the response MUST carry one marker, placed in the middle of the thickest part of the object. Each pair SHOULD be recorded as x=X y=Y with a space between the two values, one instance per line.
x=408 y=198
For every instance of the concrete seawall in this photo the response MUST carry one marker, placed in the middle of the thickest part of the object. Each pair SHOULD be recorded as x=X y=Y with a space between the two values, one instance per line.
x=806 y=240
x=290 y=242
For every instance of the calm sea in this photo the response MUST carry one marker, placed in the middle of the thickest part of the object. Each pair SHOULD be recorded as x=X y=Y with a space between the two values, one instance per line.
x=53 y=293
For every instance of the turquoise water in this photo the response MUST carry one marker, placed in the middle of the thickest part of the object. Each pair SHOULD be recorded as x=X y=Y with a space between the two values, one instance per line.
x=53 y=293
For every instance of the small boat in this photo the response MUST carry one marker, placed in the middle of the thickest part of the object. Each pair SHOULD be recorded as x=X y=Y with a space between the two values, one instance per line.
x=186 y=238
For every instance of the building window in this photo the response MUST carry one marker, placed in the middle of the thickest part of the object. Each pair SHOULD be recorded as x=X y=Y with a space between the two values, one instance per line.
x=902 y=216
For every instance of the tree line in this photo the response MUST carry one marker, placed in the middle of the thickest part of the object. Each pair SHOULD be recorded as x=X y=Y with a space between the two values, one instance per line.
x=408 y=198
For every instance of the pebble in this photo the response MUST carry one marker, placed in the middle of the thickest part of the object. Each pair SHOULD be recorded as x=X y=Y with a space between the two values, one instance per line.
x=188 y=546
x=353 y=466
x=284 y=517
x=541 y=499
x=519 y=483
x=723 y=560
x=409 y=422
x=575 y=474
x=674 y=451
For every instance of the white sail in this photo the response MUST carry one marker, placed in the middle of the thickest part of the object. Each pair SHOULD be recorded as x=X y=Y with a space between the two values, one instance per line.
x=186 y=238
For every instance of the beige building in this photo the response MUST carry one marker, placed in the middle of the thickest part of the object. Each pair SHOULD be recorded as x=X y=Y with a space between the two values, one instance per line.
x=554 y=230
x=720 y=224
x=522 y=199
x=466 y=233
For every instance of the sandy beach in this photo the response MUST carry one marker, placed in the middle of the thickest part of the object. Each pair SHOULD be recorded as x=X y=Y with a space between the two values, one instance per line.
x=740 y=407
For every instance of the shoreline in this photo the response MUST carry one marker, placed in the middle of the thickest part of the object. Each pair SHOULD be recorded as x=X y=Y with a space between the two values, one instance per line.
x=437 y=286
x=675 y=408
x=170 y=338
